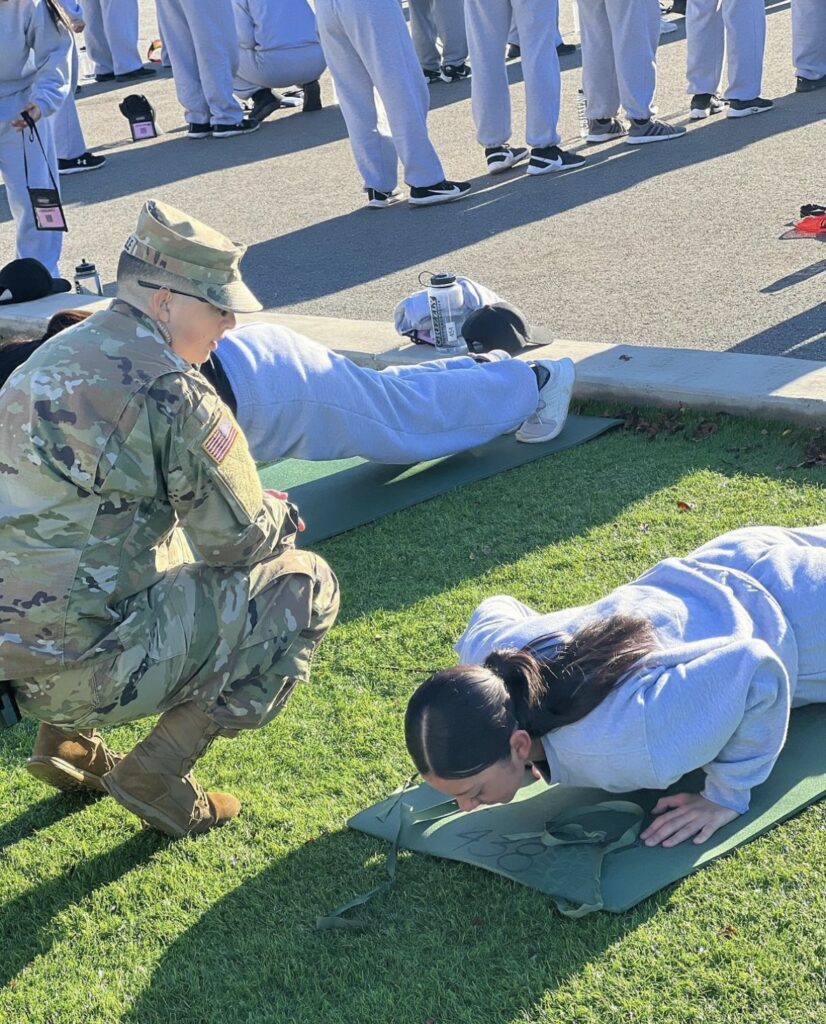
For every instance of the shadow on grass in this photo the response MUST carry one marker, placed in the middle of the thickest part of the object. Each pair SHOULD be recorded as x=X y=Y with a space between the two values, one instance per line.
x=27 y=921
x=486 y=951
x=432 y=547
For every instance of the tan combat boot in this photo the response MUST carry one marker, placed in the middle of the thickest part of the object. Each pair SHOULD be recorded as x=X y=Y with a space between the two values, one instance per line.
x=71 y=760
x=154 y=780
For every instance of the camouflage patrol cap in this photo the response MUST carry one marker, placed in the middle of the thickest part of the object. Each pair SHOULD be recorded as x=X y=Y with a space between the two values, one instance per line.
x=167 y=238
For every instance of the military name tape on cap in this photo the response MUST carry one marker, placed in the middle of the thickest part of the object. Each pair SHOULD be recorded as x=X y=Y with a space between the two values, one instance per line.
x=140 y=250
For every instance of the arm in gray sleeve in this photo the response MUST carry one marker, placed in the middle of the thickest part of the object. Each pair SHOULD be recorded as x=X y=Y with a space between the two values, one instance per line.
x=726 y=711
x=50 y=45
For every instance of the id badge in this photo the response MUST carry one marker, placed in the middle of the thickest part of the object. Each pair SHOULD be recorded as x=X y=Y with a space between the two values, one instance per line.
x=47 y=209
x=143 y=130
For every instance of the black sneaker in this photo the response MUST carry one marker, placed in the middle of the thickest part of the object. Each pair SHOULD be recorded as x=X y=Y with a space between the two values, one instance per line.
x=678 y=7
x=705 y=104
x=744 y=108
x=565 y=49
x=454 y=72
x=107 y=76
x=501 y=158
x=85 y=162
x=810 y=84
x=312 y=96
x=140 y=72
x=431 y=76
x=379 y=200
x=198 y=131
x=264 y=103
x=226 y=131
x=548 y=159
x=513 y=52
x=441 y=192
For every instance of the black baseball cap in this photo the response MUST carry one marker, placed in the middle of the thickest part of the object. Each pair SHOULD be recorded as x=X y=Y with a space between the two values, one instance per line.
x=26 y=280
x=501 y=325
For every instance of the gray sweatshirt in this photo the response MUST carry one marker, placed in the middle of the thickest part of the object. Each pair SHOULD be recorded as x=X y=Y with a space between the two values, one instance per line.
x=34 y=58
x=740 y=625
x=274 y=24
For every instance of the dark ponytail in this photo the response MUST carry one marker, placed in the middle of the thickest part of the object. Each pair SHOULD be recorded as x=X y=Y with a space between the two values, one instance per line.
x=16 y=351
x=460 y=720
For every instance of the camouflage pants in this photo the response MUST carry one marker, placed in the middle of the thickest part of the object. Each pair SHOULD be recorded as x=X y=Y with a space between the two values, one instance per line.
x=236 y=643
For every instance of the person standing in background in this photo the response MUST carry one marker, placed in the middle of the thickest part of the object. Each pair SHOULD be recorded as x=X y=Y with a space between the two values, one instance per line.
x=72 y=155
x=202 y=44
x=443 y=20
x=736 y=29
x=809 y=44
x=34 y=79
x=112 y=40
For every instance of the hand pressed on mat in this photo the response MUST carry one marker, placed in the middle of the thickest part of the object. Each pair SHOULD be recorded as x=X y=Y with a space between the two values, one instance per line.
x=684 y=815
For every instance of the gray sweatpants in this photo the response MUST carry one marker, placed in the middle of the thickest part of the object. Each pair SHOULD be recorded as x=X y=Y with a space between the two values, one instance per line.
x=277 y=69
x=297 y=398
x=734 y=28
x=111 y=35
x=619 y=56
x=442 y=19
x=203 y=49
x=809 y=38
x=368 y=48
x=68 y=135
x=488 y=26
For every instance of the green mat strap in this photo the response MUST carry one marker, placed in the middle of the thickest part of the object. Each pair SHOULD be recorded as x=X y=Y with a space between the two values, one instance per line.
x=567 y=830
x=335 y=919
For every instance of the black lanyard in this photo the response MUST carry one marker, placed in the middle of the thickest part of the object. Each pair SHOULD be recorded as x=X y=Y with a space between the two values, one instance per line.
x=46 y=206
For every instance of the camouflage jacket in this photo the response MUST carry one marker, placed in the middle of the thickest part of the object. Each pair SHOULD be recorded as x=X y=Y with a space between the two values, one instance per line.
x=108 y=442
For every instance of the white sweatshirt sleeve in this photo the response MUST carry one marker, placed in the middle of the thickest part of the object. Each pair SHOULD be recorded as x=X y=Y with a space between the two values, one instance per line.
x=244 y=24
x=727 y=711
x=492 y=616
x=50 y=46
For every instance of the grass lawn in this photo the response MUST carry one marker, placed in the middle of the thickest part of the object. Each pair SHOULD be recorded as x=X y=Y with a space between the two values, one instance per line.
x=103 y=922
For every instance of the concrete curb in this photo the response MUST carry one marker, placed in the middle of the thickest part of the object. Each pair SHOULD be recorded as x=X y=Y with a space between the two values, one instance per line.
x=766 y=387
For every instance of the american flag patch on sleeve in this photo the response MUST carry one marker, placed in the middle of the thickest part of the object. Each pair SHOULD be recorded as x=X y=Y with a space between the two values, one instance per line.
x=220 y=441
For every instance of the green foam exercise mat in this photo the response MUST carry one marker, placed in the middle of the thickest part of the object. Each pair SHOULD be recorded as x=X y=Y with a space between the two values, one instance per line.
x=580 y=846
x=337 y=496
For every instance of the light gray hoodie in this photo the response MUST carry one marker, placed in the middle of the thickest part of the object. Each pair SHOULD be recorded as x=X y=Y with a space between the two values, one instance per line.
x=34 y=58
x=740 y=625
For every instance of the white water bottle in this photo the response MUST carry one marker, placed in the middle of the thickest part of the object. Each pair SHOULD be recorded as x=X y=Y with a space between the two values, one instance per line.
x=87 y=279
x=445 y=300
x=582 y=113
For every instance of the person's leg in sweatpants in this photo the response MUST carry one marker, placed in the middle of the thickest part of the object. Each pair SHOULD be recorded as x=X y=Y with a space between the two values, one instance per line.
x=379 y=34
x=120 y=24
x=94 y=35
x=488 y=23
x=599 y=73
x=69 y=142
x=216 y=49
x=180 y=46
x=705 y=46
x=29 y=242
x=536 y=24
x=324 y=406
x=745 y=22
x=278 y=69
x=449 y=16
x=423 y=32
x=635 y=35
x=373 y=150
x=809 y=39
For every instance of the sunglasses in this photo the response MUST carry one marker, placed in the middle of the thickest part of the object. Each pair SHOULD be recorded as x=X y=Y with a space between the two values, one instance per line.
x=189 y=295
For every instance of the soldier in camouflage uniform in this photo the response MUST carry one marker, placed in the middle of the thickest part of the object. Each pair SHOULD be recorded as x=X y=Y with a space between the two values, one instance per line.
x=142 y=569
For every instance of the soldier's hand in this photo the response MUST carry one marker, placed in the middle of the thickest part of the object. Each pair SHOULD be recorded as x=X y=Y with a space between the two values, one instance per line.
x=283 y=496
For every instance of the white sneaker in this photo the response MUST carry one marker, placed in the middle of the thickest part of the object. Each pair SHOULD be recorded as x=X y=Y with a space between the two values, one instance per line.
x=554 y=398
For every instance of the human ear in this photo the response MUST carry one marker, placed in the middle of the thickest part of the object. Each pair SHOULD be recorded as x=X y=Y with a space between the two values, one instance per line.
x=521 y=743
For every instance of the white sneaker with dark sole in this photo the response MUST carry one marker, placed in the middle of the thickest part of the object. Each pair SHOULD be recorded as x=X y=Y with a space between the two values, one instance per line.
x=554 y=400
x=379 y=200
x=502 y=158
x=551 y=159
x=442 y=192
x=745 y=108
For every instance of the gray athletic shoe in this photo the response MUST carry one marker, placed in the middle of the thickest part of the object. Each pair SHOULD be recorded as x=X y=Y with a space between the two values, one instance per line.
x=652 y=130
x=554 y=398
x=605 y=129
